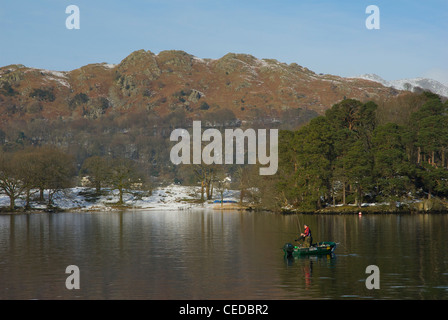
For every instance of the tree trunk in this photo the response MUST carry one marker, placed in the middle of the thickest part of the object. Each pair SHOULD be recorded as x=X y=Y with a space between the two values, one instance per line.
x=12 y=202
x=443 y=158
x=50 y=198
x=319 y=203
x=419 y=155
x=207 y=190
x=121 y=196
x=98 y=187
x=333 y=196
x=211 y=190
x=202 y=190
x=28 y=196
x=242 y=193
x=359 y=196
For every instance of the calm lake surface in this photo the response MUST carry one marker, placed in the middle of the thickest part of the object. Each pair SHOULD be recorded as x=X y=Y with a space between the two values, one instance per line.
x=220 y=255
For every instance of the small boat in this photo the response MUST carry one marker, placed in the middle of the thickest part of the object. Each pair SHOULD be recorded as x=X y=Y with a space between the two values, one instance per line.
x=320 y=248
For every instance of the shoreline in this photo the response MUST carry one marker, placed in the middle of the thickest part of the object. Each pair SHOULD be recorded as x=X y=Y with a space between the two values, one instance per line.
x=35 y=212
x=325 y=211
x=187 y=198
x=22 y=211
x=84 y=199
x=354 y=210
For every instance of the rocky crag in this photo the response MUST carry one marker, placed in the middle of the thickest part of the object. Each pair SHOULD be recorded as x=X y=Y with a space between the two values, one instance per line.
x=161 y=83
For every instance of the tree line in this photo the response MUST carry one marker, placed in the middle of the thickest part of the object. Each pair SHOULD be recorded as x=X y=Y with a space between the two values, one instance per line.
x=356 y=152
x=349 y=155
x=31 y=171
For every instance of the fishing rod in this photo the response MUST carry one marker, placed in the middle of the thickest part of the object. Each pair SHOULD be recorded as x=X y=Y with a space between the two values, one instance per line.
x=299 y=234
x=298 y=223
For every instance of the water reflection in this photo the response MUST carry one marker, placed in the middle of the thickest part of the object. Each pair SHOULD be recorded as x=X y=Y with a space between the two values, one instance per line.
x=304 y=266
x=219 y=255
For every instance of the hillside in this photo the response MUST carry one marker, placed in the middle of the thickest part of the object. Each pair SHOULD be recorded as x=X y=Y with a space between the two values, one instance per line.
x=413 y=85
x=114 y=122
x=251 y=88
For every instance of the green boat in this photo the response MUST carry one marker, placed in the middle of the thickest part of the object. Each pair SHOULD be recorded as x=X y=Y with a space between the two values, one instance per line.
x=320 y=248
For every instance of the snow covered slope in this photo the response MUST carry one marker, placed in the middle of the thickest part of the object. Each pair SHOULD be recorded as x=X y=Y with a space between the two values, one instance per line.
x=172 y=197
x=410 y=84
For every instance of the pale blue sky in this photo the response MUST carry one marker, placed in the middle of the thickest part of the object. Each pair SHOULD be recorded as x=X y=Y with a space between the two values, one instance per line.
x=324 y=36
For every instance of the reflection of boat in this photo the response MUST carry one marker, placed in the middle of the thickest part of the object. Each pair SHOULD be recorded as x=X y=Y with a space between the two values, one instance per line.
x=320 y=248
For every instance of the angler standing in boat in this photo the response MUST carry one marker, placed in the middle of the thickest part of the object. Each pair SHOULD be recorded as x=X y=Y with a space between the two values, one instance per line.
x=306 y=236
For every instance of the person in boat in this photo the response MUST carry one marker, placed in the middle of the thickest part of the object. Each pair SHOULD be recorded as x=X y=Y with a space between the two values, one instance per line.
x=306 y=237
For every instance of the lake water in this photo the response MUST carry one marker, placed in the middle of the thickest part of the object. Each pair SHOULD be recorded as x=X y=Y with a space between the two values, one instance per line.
x=220 y=255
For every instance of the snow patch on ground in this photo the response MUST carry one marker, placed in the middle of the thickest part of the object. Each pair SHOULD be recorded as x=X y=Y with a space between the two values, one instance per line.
x=172 y=197
x=59 y=76
x=108 y=65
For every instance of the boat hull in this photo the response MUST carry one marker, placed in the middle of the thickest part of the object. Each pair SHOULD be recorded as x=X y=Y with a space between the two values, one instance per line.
x=321 y=248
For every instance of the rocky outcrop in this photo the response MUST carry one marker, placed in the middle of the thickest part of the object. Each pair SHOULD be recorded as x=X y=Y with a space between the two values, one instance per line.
x=172 y=80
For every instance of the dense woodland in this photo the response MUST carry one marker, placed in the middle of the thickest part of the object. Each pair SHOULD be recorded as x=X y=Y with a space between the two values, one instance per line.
x=357 y=152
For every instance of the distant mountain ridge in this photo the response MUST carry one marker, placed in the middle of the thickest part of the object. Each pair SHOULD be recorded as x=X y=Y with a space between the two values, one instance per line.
x=413 y=84
x=175 y=81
